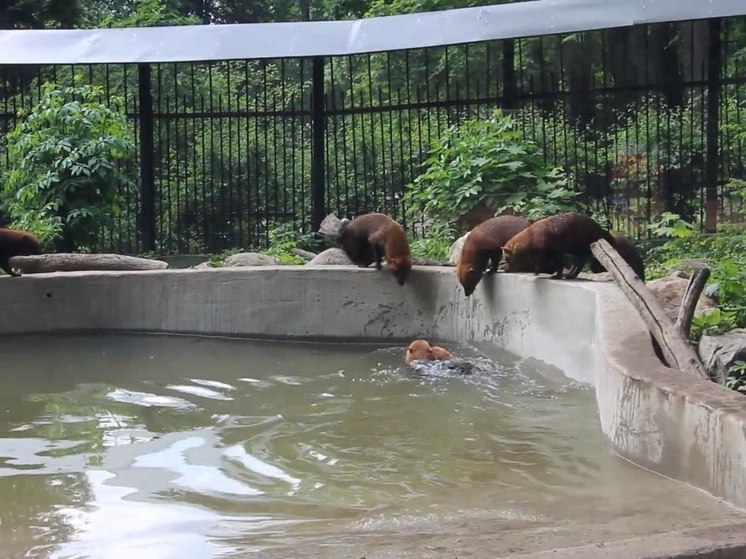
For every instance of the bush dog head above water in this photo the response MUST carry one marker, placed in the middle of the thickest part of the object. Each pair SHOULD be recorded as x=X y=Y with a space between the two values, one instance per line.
x=421 y=350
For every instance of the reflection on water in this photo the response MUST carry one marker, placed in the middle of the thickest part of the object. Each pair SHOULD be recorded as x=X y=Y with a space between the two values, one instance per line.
x=159 y=446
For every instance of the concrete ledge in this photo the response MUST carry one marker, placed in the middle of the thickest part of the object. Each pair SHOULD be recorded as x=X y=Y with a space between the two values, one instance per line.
x=718 y=542
x=682 y=427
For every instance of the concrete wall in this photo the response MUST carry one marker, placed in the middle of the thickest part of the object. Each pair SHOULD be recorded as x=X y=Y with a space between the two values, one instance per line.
x=683 y=427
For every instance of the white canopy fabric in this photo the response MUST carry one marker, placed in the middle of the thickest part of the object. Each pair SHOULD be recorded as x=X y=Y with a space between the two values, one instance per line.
x=330 y=38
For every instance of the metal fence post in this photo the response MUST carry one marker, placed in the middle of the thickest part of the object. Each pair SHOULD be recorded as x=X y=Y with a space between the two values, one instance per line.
x=509 y=85
x=318 y=148
x=147 y=158
x=713 y=126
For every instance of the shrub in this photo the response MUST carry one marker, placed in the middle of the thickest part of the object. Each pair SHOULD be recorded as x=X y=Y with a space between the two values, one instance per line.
x=725 y=254
x=736 y=379
x=435 y=243
x=488 y=162
x=63 y=180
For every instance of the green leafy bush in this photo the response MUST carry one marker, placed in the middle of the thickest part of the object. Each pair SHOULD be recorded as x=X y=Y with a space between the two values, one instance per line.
x=435 y=243
x=64 y=180
x=725 y=254
x=736 y=379
x=714 y=322
x=488 y=162
x=671 y=225
x=286 y=236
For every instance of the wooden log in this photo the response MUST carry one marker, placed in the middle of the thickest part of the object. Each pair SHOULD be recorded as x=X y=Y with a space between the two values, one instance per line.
x=689 y=301
x=676 y=350
x=72 y=262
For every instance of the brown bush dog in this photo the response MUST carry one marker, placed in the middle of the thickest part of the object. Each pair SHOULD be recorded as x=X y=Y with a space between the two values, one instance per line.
x=628 y=251
x=440 y=353
x=545 y=245
x=16 y=243
x=483 y=246
x=421 y=350
x=370 y=237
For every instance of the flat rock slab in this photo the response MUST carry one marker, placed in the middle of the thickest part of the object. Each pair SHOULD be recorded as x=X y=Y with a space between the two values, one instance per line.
x=243 y=259
x=72 y=262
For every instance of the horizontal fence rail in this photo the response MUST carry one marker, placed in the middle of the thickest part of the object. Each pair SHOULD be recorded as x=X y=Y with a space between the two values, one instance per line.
x=644 y=119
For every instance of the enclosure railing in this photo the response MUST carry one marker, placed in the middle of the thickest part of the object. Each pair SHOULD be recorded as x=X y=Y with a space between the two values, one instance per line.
x=241 y=128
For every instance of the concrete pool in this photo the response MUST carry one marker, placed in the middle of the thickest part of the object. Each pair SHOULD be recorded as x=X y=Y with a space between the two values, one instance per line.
x=684 y=428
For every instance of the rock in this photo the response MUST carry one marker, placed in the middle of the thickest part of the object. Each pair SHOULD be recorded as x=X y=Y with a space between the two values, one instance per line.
x=332 y=257
x=203 y=266
x=331 y=226
x=304 y=254
x=74 y=262
x=689 y=265
x=670 y=291
x=718 y=353
x=454 y=253
x=250 y=259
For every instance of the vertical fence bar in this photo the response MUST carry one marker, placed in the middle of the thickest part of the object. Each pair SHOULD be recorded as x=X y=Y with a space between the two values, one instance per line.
x=147 y=161
x=713 y=124
x=318 y=122
x=509 y=85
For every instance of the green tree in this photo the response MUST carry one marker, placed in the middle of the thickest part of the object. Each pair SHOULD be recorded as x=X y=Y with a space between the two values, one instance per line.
x=64 y=180
x=38 y=14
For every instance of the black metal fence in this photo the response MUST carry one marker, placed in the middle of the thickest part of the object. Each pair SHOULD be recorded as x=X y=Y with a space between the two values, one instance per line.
x=645 y=119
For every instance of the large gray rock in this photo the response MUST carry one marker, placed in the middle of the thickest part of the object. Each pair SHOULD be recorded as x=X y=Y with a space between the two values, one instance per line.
x=670 y=291
x=454 y=253
x=718 y=353
x=250 y=259
x=331 y=257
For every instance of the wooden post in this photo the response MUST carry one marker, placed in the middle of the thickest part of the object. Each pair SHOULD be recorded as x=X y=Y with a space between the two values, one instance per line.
x=676 y=350
x=689 y=301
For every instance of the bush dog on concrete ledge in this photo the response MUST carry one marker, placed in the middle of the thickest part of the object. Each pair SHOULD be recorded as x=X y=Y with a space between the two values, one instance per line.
x=369 y=238
x=543 y=245
x=16 y=243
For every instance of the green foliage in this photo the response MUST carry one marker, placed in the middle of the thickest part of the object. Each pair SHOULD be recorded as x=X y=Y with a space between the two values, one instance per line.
x=488 y=162
x=671 y=225
x=728 y=285
x=283 y=238
x=64 y=180
x=715 y=321
x=38 y=14
x=725 y=254
x=435 y=243
x=736 y=379
x=145 y=13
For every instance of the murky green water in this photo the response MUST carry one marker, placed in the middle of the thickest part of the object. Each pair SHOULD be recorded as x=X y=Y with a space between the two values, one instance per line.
x=155 y=446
